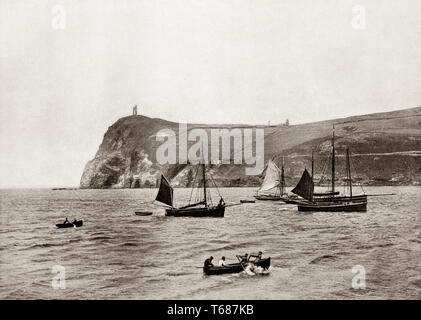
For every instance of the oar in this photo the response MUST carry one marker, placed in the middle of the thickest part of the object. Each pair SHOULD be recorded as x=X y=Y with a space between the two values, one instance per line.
x=241 y=263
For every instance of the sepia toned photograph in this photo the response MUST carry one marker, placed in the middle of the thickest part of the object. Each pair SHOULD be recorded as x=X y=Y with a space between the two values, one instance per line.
x=210 y=150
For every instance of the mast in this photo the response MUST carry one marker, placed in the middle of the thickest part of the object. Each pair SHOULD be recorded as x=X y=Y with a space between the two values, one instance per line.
x=172 y=200
x=312 y=163
x=348 y=167
x=279 y=178
x=204 y=176
x=282 y=177
x=333 y=159
x=204 y=182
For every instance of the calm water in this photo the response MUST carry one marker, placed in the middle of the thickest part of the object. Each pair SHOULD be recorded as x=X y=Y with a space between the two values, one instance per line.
x=117 y=255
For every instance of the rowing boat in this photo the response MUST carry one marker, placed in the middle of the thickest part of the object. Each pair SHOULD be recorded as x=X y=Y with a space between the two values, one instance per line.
x=143 y=213
x=78 y=223
x=235 y=267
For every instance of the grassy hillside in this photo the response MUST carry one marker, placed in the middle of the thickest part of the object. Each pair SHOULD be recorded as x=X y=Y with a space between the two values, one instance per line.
x=386 y=149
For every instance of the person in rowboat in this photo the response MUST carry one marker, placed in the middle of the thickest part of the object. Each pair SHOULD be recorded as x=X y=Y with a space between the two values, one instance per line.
x=257 y=256
x=66 y=221
x=221 y=202
x=222 y=262
x=208 y=263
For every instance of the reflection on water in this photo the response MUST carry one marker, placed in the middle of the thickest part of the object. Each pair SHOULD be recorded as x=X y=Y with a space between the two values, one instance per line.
x=117 y=255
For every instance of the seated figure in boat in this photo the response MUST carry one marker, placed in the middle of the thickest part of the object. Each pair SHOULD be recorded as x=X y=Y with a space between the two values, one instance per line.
x=257 y=256
x=66 y=221
x=222 y=262
x=221 y=202
x=208 y=263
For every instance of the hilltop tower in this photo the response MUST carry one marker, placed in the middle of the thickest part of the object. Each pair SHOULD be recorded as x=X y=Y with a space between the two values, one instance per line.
x=135 y=110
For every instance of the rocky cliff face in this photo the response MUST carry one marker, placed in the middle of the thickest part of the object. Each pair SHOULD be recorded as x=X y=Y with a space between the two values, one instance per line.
x=126 y=156
x=386 y=149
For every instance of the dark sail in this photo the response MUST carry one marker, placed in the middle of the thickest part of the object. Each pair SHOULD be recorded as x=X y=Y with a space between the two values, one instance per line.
x=165 y=193
x=305 y=186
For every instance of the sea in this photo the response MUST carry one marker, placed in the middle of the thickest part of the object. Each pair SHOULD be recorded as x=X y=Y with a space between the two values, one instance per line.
x=119 y=255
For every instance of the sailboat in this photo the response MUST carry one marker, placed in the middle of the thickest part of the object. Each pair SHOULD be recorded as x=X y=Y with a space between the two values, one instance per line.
x=330 y=200
x=272 y=187
x=202 y=208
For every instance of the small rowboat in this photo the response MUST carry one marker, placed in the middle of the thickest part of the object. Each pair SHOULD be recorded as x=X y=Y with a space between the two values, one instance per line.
x=143 y=213
x=235 y=267
x=247 y=201
x=267 y=197
x=78 y=223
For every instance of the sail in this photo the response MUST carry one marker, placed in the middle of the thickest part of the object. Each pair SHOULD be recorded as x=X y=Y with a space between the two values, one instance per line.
x=282 y=179
x=272 y=177
x=165 y=193
x=305 y=186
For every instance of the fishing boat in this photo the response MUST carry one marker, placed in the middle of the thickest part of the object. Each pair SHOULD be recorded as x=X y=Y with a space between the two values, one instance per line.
x=271 y=188
x=331 y=200
x=247 y=201
x=143 y=213
x=235 y=267
x=78 y=223
x=200 y=208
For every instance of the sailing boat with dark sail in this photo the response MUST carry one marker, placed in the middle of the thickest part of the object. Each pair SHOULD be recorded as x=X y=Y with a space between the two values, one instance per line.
x=331 y=200
x=202 y=208
x=272 y=187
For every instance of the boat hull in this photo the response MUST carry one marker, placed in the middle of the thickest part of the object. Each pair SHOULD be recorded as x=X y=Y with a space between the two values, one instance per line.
x=70 y=225
x=143 y=213
x=216 y=211
x=268 y=197
x=234 y=267
x=357 y=198
x=247 y=201
x=351 y=206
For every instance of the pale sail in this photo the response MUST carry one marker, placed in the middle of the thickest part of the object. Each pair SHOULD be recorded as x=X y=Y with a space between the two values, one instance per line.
x=272 y=177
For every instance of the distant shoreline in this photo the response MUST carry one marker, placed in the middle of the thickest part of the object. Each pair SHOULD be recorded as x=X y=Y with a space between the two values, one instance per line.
x=178 y=187
x=251 y=187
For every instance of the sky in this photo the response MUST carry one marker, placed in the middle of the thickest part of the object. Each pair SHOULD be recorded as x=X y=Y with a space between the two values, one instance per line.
x=70 y=69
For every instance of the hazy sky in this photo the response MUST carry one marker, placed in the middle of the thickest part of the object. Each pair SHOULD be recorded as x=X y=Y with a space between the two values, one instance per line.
x=231 y=61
